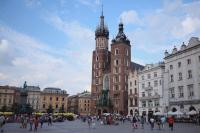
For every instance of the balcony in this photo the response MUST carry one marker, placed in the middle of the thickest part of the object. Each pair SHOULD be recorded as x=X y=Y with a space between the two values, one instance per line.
x=149 y=97
x=148 y=88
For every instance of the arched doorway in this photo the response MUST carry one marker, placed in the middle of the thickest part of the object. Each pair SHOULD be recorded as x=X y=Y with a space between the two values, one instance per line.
x=174 y=109
x=131 y=112
x=192 y=108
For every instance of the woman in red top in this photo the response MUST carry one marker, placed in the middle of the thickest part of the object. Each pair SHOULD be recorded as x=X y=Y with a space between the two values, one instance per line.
x=171 y=122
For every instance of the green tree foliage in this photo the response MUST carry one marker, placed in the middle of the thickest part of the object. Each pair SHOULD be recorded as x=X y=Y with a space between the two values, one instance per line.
x=4 y=108
x=50 y=109
x=19 y=108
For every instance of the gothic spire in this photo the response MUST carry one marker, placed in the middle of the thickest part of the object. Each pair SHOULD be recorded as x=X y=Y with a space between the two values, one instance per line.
x=102 y=29
x=102 y=18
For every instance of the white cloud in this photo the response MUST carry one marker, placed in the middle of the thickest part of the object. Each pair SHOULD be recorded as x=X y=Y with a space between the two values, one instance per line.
x=129 y=17
x=2 y=76
x=188 y=26
x=39 y=64
x=163 y=28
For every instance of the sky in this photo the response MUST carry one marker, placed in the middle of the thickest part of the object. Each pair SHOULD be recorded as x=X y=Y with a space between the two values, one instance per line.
x=50 y=43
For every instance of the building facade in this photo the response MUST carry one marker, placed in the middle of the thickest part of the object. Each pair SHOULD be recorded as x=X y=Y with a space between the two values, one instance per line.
x=133 y=89
x=182 y=77
x=151 y=89
x=110 y=70
x=84 y=103
x=54 y=97
x=72 y=105
x=33 y=97
x=100 y=66
x=8 y=96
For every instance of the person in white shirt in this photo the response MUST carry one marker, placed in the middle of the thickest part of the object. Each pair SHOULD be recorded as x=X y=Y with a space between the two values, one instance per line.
x=152 y=122
x=2 y=122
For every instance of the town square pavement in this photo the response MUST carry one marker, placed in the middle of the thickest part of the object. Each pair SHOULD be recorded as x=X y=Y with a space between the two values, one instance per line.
x=78 y=126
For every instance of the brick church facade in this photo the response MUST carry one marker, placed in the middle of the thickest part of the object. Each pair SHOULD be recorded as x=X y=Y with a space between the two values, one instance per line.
x=110 y=70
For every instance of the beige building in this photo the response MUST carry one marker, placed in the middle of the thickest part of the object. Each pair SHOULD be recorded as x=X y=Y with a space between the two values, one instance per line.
x=72 y=105
x=133 y=89
x=33 y=97
x=54 y=97
x=84 y=103
x=80 y=103
x=8 y=96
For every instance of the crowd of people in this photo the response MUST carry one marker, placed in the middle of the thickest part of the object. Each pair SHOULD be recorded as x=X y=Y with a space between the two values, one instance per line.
x=160 y=121
x=32 y=122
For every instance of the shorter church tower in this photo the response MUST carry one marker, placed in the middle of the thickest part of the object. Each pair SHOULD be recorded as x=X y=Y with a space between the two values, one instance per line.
x=120 y=66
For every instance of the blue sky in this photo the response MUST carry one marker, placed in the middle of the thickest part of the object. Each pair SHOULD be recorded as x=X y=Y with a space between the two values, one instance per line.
x=50 y=43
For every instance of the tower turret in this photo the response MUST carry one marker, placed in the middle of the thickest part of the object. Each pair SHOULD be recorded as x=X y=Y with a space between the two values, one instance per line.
x=121 y=37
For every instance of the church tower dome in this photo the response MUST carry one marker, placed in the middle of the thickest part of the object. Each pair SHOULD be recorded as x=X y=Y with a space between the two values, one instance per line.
x=121 y=37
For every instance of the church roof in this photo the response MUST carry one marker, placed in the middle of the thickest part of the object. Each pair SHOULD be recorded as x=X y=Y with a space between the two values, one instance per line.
x=135 y=66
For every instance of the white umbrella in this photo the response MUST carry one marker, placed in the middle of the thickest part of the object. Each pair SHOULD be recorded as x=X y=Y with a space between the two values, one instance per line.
x=175 y=113
x=106 y=114
x=193 y=112
x=158 y=113
x=178 y=113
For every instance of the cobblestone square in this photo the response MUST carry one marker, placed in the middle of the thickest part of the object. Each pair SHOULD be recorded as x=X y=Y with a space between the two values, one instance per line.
x=78 y=126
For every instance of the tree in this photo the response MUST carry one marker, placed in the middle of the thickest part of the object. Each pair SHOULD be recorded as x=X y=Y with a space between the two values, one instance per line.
x=4 y=108
x=19 y=108
x=62 y=110
x=50 y=109
x=16 y=108
x=28 y=109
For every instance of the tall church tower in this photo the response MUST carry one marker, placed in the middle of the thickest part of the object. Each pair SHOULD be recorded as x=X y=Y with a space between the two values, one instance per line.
x=100 y=63
x=120 y=66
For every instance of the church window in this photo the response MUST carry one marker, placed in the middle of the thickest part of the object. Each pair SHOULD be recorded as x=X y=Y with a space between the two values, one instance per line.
x=127 y=52
x=116 y=51
x=116 y=62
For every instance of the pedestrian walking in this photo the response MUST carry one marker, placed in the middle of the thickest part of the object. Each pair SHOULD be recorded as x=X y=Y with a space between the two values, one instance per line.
x=36 y=122
x=93 y=124
x=2 y=123
x=25 y=121
x=163 y=120
x=50 y=120
x=134 y=123
x=152 y=123
x=22 y=121
x=171 y=123
x=41 y=121
x=142 y=121
x=89 y=122
x=31 y=123
x=158 y=123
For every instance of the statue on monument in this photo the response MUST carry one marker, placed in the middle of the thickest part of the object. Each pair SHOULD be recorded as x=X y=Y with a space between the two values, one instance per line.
x=25 y=85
